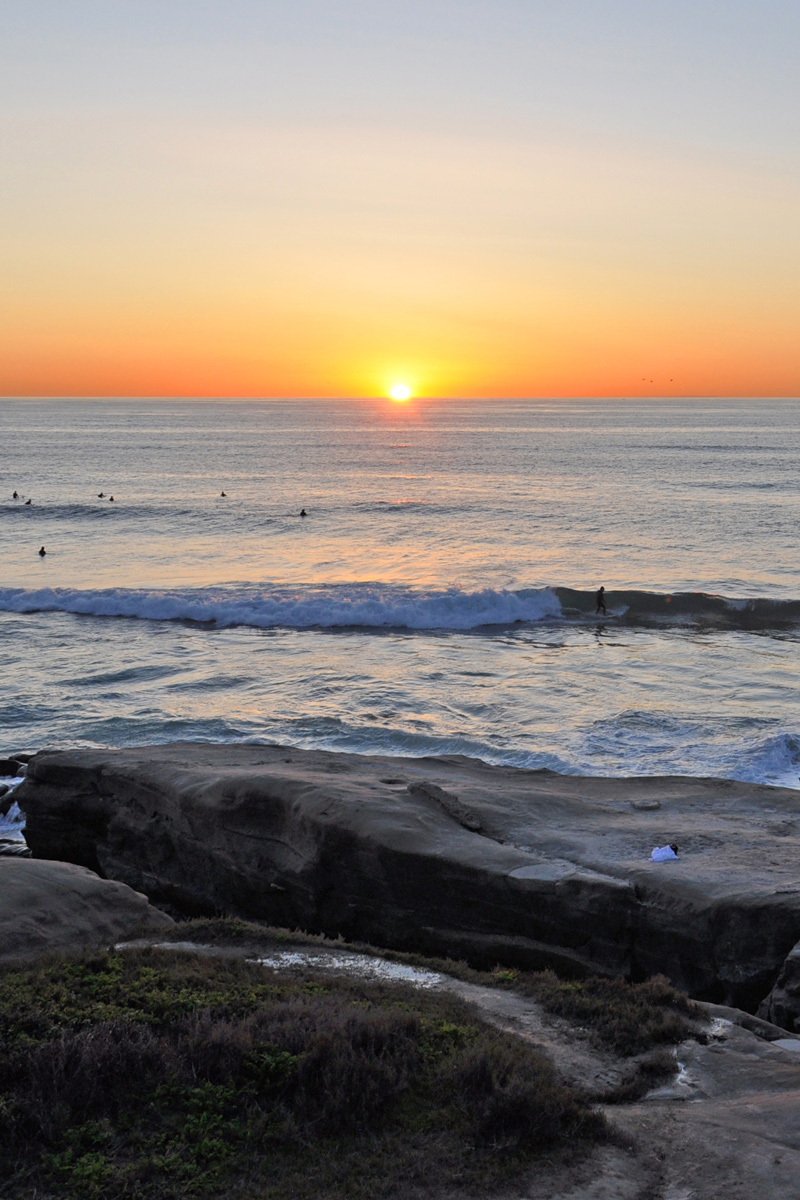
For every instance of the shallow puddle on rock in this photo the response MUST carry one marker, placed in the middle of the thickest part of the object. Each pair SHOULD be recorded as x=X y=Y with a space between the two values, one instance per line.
x=680 y=1087
x=791 y=1044
x=362 y=965
x=184 y=947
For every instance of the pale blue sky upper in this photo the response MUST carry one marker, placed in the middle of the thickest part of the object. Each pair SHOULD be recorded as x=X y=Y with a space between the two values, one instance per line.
x=708 y=75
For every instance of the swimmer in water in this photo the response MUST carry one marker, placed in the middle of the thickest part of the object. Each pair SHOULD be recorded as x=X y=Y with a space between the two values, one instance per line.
x=42 y=552
x=223 y=493
x=111 y=498
x=303 y=512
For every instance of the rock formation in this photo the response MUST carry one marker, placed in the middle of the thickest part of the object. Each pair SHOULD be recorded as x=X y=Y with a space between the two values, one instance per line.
x=57 y=906
x=782 y=1005
x=444 y=855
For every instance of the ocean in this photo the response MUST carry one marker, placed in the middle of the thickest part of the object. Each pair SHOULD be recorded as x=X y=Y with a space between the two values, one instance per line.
x=437 y=598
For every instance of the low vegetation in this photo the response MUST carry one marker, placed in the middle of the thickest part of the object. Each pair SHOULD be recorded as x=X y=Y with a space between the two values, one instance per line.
x=629 y=1018
x=146 y=1074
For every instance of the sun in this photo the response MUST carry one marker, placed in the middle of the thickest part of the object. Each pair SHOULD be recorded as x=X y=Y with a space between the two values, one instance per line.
x=400 y=391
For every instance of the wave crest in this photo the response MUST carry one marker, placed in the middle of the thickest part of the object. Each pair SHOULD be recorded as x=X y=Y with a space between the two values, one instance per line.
x=386 y=606
x=367 y=606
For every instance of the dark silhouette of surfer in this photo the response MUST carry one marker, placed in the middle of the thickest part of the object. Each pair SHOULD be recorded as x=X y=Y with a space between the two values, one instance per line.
x=42 y=552
x=29 y=502
x=601 y=601
x=15 y=496
x=223 y=493
x=303 y=512
x=101 y=495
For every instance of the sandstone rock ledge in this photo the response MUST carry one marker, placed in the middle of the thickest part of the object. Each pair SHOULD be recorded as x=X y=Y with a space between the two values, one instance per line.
x=444 y=855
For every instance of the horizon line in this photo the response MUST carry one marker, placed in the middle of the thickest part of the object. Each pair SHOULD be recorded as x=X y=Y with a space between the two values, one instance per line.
x=216 y=397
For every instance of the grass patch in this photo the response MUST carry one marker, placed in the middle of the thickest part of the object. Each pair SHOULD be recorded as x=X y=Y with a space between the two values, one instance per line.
x=147 y=1074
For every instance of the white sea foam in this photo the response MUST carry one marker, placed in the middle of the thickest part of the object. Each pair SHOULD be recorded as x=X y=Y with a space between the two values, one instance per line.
x=12 y=823
x=345 y=606
x=660 y=743
x=774 y=759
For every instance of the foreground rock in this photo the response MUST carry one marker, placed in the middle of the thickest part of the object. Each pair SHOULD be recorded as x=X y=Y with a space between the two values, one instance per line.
x=726 y=1129
x=444 y=855
x=56 y=906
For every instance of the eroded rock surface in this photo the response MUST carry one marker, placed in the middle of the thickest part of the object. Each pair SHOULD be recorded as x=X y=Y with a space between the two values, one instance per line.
x=491 y=863
x=57 y=906
x=782 y=1005
x=735 y=1135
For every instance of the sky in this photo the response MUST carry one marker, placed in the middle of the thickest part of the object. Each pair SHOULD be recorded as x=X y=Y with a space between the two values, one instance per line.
x=330 y=197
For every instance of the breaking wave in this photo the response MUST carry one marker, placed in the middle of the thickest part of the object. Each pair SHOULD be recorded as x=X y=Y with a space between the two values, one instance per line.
x=368 y=606
x=385 y=606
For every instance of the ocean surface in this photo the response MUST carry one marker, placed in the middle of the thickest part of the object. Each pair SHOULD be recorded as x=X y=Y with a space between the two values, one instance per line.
x=438 y=598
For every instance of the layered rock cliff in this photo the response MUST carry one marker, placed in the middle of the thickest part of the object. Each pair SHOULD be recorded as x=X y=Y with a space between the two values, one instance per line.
x=443 y=855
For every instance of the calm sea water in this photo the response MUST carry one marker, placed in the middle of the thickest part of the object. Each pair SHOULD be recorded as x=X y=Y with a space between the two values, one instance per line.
x=437 y=598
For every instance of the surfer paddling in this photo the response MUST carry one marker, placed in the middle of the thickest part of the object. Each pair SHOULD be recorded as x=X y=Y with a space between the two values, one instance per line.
x=600 y=597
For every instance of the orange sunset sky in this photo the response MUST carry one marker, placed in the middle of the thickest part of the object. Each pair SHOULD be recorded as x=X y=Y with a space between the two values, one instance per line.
x=499 y=198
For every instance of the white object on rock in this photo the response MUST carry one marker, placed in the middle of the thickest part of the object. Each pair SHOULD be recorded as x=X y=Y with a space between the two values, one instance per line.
x=662 y=854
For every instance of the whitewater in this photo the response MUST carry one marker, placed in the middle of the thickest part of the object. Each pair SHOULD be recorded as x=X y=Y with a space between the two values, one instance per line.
x=437 y=598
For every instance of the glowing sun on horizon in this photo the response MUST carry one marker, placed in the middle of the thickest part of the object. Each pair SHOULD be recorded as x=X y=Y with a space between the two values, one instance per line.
x=400 y=391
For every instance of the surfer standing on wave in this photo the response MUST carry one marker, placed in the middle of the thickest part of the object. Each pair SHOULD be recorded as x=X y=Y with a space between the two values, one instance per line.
x=600 y=597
